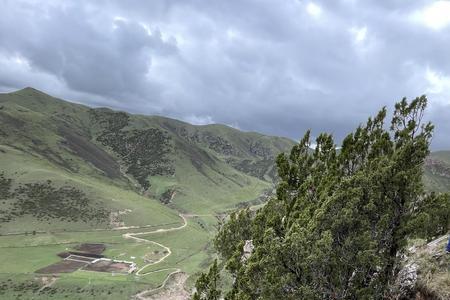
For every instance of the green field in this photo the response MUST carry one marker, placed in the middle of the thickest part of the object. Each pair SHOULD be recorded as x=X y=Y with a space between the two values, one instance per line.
x=190 y=252
x=26 y=169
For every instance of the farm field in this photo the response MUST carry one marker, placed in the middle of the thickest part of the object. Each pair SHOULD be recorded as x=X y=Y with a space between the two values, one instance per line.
x=190 y=252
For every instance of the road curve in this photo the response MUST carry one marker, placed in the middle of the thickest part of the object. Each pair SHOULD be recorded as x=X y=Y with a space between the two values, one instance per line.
x=134 y=236
x=161 y=230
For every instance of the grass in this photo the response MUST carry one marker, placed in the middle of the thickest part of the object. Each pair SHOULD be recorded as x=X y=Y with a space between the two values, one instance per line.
x=140 y=210
x=78 y=285
x=214 y=192
x=433 y=274
x=190 y=246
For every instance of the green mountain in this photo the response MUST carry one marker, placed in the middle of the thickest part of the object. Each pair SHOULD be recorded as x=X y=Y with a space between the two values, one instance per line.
x=104 y=153
x=195 y=169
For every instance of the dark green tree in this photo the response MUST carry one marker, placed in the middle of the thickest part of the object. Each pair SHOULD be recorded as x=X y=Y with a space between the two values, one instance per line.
x=340 y=219
x=5 y=187
x=432 y=217
x=207 y=285
x=231 y=238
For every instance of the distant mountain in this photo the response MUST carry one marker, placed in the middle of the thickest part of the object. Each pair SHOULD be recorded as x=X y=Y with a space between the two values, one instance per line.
x=195 y=169
x=437 y=171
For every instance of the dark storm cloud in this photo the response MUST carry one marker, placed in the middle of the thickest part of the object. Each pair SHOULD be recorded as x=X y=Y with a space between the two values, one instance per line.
x=270 y=66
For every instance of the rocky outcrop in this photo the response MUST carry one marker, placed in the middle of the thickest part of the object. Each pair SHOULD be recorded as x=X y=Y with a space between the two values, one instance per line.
x=425 y=273
x=248 y=249
x=437 y=167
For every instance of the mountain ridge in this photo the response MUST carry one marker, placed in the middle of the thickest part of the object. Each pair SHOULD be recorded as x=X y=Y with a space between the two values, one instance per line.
x=182 y=165
x=192 y=168
x=156 y=116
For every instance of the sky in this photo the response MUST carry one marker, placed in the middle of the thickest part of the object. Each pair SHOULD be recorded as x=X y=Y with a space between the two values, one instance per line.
x=276 y=67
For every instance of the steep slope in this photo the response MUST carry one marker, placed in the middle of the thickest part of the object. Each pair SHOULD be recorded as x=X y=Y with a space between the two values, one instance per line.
x=196 y=169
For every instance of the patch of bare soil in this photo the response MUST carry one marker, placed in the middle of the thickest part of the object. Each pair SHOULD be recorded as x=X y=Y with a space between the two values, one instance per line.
x=64 y=266
x=47 y=282
x=91 y=248
x=64 y=254
x=173 y=289
x=108 y=266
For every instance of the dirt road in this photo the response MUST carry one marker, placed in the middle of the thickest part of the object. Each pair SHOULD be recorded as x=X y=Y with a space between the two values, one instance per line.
x=167 y=249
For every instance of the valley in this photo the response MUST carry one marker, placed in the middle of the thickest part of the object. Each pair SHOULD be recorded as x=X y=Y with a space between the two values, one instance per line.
x=153 y=190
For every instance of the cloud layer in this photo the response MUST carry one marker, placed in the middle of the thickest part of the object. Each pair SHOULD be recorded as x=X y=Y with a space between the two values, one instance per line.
x=269 y=66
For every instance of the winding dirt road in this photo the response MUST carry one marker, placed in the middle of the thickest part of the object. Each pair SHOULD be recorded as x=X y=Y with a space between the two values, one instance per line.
x=167 y=249
x=134 y=236
x=176 y=291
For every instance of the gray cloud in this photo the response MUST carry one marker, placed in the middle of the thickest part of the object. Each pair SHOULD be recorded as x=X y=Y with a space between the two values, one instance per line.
x=269 y=66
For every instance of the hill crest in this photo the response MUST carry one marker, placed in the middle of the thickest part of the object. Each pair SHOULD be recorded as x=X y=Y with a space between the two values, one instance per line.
x=193 y=168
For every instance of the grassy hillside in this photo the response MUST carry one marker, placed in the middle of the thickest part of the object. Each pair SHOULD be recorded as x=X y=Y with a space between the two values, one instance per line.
x=72 y=174
x=192 y=168
x=154 y=160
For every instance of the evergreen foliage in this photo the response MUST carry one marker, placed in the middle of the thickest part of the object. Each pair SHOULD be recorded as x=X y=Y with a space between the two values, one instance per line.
x=44 y=201
x=340 y=219
x=5 y=186
x=144 y=152
x=207 y=285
